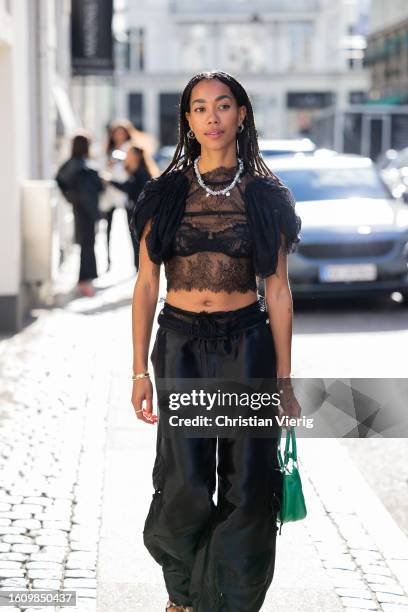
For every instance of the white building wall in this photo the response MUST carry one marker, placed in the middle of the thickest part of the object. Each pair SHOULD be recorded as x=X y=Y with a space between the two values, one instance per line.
x=168 y=66
x=14 y=152
x=28 y=127
x=384 y=14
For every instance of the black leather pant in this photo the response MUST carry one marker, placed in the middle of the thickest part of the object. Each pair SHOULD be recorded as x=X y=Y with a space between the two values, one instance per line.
x=214 y=557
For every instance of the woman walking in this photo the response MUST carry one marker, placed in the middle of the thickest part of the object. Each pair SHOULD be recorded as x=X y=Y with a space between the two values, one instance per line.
x=139 y=173
x=216 y=218
x=119 y=140
x=81 y=186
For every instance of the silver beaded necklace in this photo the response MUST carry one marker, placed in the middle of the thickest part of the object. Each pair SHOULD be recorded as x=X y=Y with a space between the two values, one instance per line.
x=227 y=190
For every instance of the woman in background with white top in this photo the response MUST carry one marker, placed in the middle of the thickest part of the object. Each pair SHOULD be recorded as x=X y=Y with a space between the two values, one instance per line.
x=119 y=141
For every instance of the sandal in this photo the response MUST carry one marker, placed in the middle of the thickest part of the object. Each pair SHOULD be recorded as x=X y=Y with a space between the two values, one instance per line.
x=171 y=604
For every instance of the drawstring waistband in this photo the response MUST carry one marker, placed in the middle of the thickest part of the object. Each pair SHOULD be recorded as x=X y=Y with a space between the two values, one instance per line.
x=216 y=324
x=205 y=324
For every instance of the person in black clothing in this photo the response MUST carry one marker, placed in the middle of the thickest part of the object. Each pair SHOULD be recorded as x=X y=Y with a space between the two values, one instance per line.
x=81 y=186
x=217 y=219
x=139 y=174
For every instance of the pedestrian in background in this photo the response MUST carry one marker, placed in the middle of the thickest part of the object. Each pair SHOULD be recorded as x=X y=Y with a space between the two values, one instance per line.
x=81 y=186
x=119 y=140
x=137 y=167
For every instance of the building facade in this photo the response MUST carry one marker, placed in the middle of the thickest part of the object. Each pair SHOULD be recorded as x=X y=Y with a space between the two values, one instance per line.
x=294 y=58
x=387 y=52
x=35 y=114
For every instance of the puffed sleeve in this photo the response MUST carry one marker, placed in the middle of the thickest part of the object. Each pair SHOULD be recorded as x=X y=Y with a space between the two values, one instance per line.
x=145 y=208
x=162 y=200
x=271 y=212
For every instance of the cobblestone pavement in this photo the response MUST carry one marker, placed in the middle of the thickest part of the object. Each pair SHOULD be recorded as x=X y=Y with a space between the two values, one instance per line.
x=53 y=402
x=75 y=483
x=54 y=399
x=363 y=550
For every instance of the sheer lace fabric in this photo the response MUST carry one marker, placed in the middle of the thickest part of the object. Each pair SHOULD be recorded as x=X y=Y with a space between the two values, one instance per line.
x=218 y=243
x=212 y=247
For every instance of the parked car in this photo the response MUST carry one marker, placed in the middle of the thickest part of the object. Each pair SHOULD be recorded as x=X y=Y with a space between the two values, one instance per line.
x=286 y=146
x=394 y=171
x=354 y=238
x=164 y=156
x=385 y=158
x=268 y=148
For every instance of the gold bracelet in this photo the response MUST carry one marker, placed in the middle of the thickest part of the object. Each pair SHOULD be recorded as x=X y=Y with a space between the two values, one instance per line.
x=141 y=375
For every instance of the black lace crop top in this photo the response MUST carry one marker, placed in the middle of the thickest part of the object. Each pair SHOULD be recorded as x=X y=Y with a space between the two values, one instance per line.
x=218 y=243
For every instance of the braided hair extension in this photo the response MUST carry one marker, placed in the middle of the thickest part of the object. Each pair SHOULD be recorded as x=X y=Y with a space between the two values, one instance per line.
x=247 y=141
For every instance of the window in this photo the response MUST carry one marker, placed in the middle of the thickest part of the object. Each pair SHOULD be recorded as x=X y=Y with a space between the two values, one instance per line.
x=354 y=47
x=310 y=99
x=300 y=35
x=195 y=47
x=130 y=50
x=135 y=106
x=169 y=104
x=122 y=50
x=245 y=47
x=357 y=97
x=136 y=50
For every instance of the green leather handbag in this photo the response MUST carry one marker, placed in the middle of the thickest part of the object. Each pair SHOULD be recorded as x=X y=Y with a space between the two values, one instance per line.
x=293 y=506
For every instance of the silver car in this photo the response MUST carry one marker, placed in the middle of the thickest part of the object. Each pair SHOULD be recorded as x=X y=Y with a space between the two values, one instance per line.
x=286 y=146
x=354 y=238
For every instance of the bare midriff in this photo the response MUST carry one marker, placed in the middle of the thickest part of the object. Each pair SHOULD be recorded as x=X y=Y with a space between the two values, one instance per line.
x=197 y=301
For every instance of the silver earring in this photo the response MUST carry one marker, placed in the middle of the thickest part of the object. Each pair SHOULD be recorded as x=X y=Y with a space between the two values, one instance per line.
x=241 y=128
x=190 y=134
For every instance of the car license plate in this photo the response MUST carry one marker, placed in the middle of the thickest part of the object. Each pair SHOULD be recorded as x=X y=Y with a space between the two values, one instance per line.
x=347 y=272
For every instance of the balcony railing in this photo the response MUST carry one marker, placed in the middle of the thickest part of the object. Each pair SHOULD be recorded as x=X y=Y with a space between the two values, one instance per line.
x=196 y=7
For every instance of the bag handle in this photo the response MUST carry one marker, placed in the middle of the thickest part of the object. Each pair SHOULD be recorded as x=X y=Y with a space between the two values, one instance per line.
x=288 y=454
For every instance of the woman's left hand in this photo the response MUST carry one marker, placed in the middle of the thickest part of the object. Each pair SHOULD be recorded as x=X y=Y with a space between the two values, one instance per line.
x=289 y=406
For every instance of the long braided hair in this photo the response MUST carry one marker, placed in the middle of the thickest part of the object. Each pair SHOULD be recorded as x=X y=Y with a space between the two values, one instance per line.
x=247 y=141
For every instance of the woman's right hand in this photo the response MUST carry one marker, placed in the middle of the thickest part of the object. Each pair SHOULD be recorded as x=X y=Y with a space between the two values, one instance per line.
x=143 y=390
